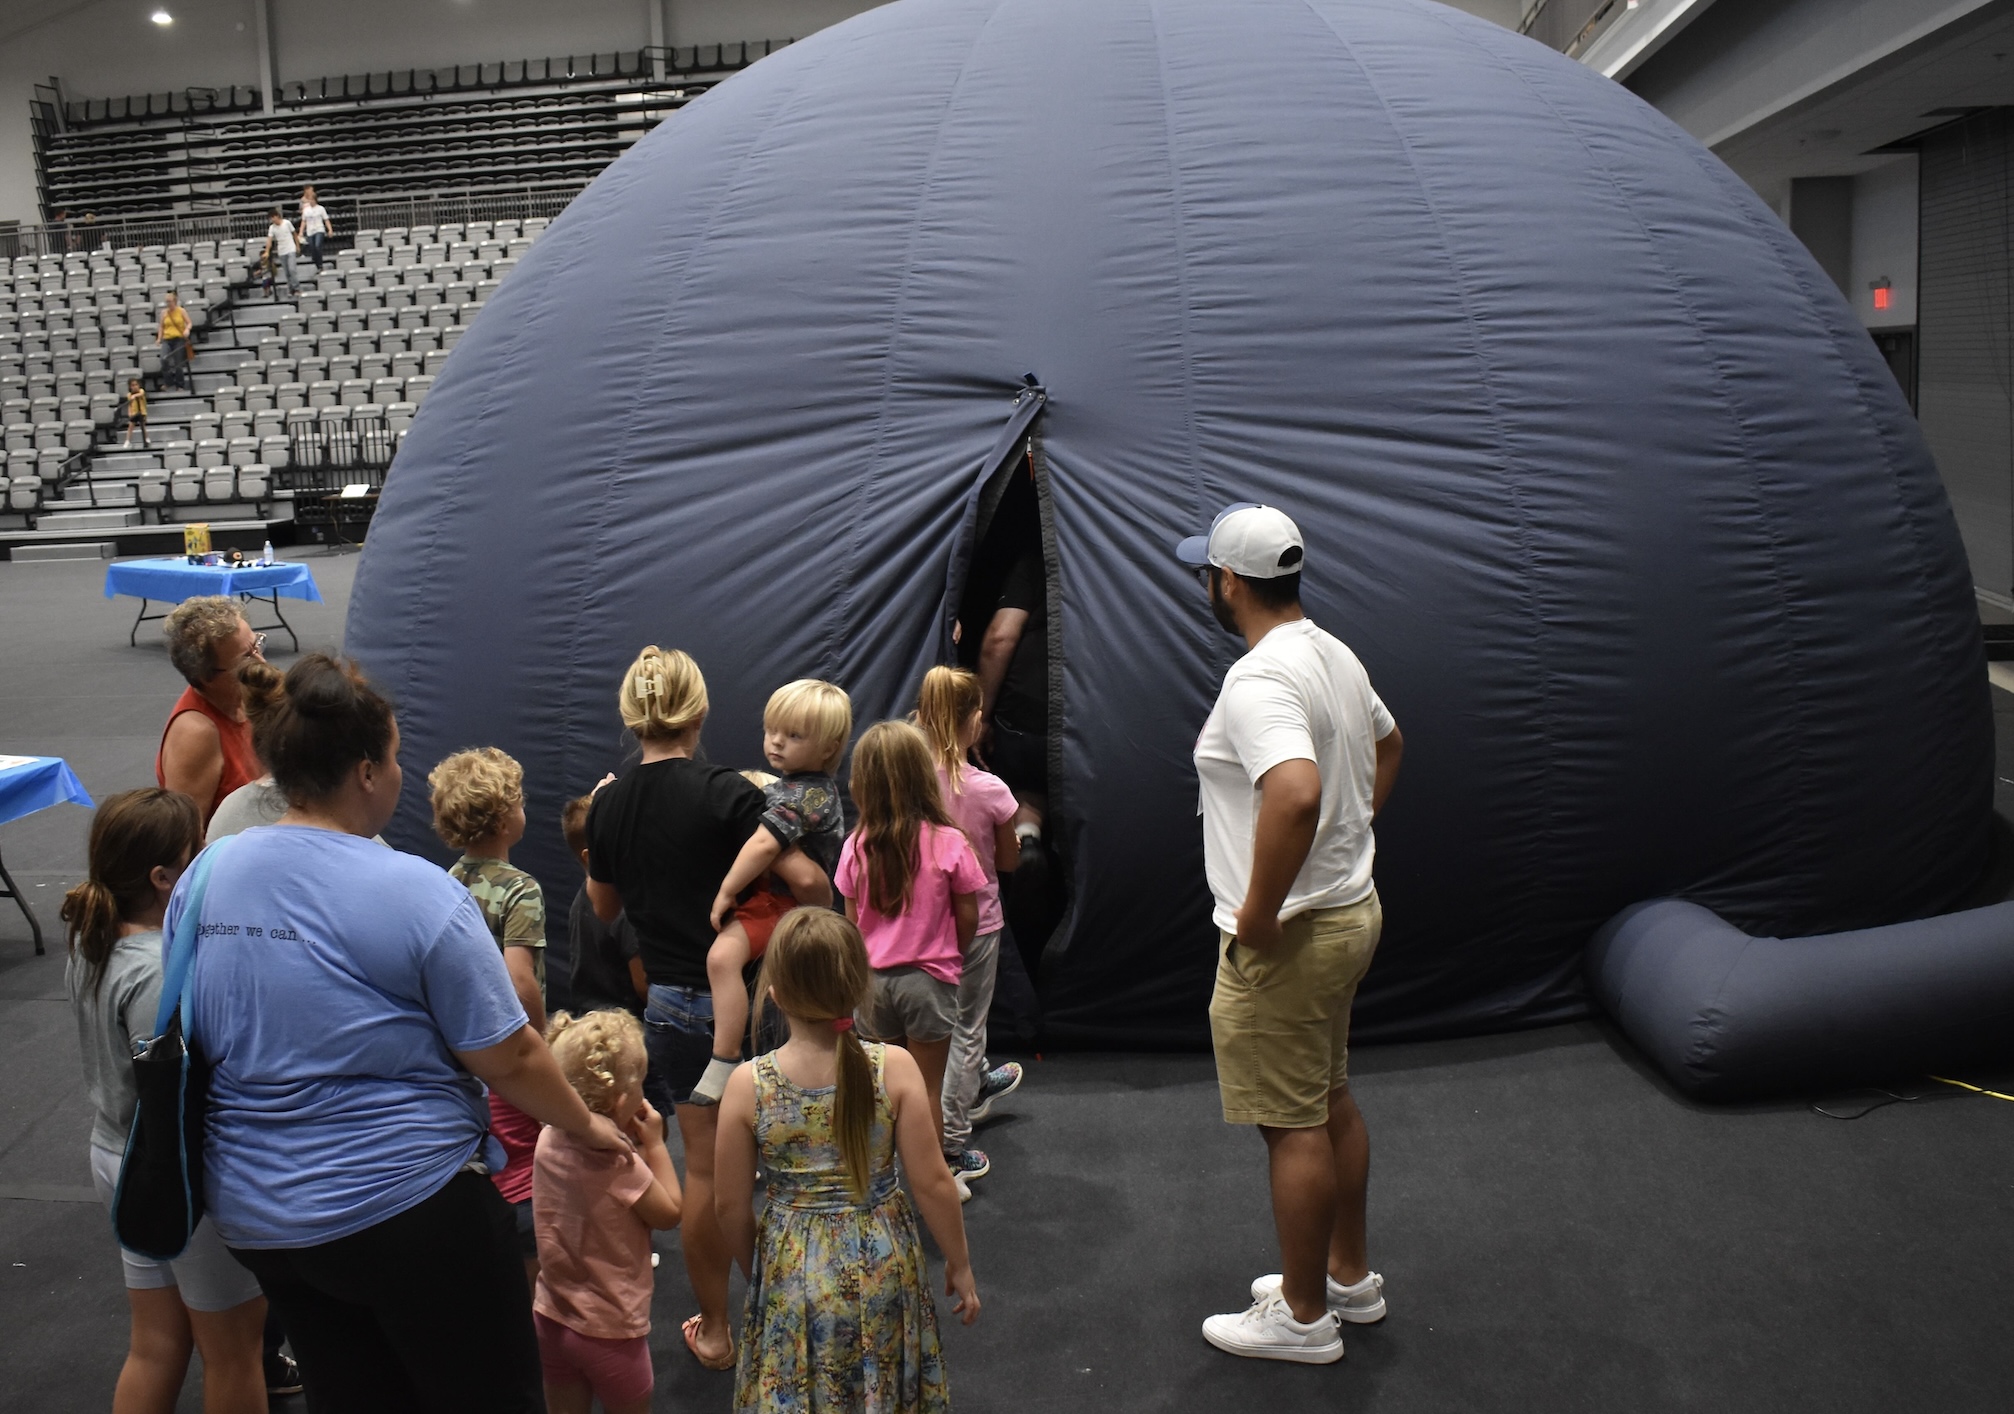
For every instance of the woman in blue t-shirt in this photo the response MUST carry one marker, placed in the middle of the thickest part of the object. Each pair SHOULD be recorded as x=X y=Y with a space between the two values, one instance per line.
x=353 y=1005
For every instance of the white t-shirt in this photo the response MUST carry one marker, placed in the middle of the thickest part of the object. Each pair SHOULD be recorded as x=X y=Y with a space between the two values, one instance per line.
x=1300 y=695
x=282 y=237
x=314 y=220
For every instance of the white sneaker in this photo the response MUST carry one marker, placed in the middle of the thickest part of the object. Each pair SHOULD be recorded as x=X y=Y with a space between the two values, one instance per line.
x=1268 y=1331
x=1360 y=1304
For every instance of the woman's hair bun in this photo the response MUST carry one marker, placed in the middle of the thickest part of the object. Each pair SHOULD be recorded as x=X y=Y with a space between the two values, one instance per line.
x=264 y=685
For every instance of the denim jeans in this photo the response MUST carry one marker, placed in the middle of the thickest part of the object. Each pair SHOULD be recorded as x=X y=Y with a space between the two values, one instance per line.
x=678 y=1037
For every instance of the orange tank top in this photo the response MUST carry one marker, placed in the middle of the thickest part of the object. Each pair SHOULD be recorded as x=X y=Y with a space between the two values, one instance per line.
x=241 y=763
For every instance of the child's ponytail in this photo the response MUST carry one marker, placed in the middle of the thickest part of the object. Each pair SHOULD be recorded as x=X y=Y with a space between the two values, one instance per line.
x=133 y=833
x=947 y=701
x=816 y=968
x=853 y=1103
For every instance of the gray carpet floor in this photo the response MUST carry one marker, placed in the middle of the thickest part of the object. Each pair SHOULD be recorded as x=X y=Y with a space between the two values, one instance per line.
x=1558 y=1230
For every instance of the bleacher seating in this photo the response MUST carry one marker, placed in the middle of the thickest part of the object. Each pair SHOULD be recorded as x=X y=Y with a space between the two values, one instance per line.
x=290 y=398
x=535 y=124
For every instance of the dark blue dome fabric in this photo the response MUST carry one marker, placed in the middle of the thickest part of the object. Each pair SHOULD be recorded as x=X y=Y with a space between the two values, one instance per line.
x=1599 y=475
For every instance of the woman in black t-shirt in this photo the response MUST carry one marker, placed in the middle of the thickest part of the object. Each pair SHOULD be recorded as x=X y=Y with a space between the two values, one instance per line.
x=660 y=840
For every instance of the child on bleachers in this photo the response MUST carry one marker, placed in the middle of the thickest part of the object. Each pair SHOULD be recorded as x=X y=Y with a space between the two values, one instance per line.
x=912 y=885
x=804 y=731
x=607 y=967
x=839 y=1312
x=136 y=412
x=478 y=802
x=596 y=1210
x=951 y=711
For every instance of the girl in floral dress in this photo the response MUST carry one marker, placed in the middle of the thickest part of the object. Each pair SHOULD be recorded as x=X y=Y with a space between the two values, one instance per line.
x=839 y=1313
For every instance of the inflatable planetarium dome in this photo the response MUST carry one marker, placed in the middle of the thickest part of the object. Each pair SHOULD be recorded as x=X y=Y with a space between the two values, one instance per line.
x=1598 y=474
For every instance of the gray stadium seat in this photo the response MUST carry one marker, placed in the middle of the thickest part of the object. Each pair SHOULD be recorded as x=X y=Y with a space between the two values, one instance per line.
x=289 y=396
x=205 y=425
x=418 y=388
x=268 y=422
x=229 y=399
x=276 y=450
x=259 y=399
x=48 y=434
x=77 y=435
x=386 y=391
x=242 y=451
x=406 y=365
x=234 y=424
x=178 y=456
x=220 y=483
x=211 y=452
x=23 y=493
x=49 y=462
x=356 y=392
x=104 y=409
x=323 y=393
x=185 y=486
x=246 y=374
x=435 y=362
x=253 y=481
x=399 y=416
x=152 y=487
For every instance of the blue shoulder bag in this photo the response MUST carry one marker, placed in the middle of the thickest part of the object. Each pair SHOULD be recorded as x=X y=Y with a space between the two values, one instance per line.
x=159 y=1199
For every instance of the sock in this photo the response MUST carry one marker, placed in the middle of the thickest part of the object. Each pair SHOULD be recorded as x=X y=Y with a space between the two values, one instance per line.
x=1027 y=830
x=714 y=1082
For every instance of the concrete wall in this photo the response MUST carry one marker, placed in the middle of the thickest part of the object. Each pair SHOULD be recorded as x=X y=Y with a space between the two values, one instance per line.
x=109 y=48
x=1884 y=243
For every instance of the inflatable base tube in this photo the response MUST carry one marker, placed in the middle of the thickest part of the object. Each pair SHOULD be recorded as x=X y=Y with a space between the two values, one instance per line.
x=1729 y=1017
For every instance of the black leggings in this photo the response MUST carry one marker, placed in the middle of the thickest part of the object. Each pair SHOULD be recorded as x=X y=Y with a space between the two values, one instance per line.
x=426 y=1311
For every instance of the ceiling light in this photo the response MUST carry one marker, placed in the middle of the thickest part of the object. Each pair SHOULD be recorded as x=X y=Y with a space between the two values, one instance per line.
x=162 y=17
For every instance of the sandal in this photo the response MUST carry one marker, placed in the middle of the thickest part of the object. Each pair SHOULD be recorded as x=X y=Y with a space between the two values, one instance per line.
x=718 y=1362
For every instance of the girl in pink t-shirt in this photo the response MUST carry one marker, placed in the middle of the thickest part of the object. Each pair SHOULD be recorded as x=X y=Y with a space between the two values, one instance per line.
x=594 y=1210
x=951 y=711
x=912 y=885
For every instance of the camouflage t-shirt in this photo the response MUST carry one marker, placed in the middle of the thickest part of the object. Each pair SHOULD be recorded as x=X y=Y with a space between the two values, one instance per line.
x=512 y=904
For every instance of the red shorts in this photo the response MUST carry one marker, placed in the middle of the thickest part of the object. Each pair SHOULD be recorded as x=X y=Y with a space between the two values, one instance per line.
x=618 y=1371
x=758 y=918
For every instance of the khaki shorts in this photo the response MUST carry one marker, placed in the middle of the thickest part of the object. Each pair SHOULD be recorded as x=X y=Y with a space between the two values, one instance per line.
x=1280 y=1019
x=908 y=1002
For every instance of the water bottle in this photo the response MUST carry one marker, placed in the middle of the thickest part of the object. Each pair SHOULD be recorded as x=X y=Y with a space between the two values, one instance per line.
x=266 y=555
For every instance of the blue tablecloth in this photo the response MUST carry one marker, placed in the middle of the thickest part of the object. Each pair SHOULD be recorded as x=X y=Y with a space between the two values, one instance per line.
x=174 y=579
x=41 y=782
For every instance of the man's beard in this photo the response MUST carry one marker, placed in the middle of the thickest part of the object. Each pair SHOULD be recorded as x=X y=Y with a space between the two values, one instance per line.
x=1220 y=609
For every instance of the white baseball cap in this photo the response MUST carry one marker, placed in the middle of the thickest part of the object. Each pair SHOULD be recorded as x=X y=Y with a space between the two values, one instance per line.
x=1251 y=541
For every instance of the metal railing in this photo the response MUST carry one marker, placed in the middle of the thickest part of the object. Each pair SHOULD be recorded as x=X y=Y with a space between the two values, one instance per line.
x=86 y=235
x=650 y=62
x=327 y=456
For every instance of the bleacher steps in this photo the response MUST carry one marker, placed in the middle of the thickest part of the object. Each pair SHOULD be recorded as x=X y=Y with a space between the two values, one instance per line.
x=87 y=520
x=65 y=550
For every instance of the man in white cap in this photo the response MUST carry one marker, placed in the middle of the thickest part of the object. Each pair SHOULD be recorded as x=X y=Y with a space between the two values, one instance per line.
x=1295 y=759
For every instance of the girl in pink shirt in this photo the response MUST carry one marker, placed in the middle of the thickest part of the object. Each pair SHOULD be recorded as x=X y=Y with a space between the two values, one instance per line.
x=912 y=885
x=593 y=1210
x=951 y=711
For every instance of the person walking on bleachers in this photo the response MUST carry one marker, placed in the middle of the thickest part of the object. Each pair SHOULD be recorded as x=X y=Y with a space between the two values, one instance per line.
x=203 y=1300
x=315 y=226
x=177 y=342
x=206 y=748
x=280 y=252
x=136 y=412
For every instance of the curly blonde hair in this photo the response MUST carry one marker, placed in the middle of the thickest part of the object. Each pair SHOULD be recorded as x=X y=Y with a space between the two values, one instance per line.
x=194 y=629
x=474 y=793
x=600 y=1054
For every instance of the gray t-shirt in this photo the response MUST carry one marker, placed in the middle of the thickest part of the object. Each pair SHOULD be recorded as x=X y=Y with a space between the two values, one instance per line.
x=258 y=803
x=120 y=1012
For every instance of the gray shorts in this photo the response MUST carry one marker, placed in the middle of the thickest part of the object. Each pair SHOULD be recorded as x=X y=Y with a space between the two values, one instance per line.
x=908 y=1002
x=210 y=1278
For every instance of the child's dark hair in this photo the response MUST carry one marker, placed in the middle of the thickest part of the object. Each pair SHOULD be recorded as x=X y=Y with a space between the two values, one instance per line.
x=312 y=726
x=573 y=822
x=895 y=786
x=132 y=833
x=817 y=969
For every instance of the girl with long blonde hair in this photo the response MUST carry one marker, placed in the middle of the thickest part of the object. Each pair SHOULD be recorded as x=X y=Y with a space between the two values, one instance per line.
x=912 y=885
x=839 y=1312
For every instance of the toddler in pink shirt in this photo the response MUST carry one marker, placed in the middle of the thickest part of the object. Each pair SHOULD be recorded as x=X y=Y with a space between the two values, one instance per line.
x=594 y=1211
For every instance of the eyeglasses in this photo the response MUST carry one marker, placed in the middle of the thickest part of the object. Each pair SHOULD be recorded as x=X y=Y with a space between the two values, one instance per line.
x=257 y=650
